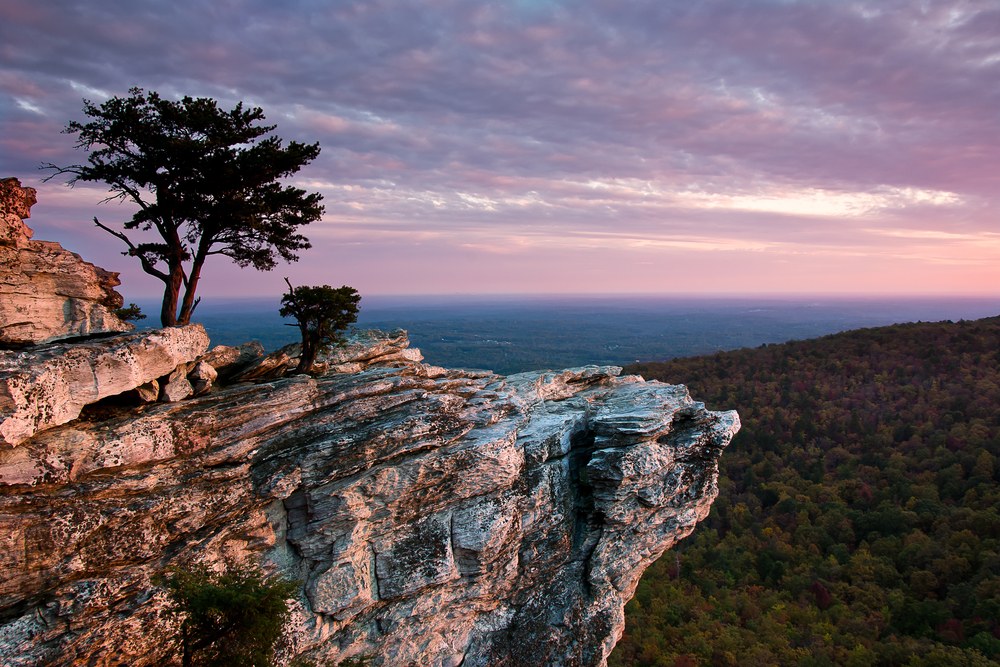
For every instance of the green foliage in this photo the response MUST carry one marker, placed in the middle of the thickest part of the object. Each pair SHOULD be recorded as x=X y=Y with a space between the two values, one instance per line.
x=321 y=314
x=857 y=520
x=130 y=314
x=230 y=619
x=205 y=184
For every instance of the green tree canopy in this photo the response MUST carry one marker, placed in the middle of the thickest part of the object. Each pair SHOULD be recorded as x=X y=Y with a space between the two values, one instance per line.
x=321 y=314
x=204 y=181
x=231 y=619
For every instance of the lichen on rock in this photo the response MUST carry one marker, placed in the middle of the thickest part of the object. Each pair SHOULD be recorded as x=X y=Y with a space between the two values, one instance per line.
x=48 y=385
x=433 y=516
x=47 y=292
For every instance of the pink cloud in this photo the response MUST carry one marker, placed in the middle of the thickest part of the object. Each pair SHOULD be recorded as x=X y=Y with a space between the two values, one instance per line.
x=568 y=123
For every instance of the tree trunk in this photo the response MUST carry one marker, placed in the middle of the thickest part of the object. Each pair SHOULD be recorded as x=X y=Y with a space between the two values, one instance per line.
x=168 y=308
x=187 y=306
x=175 y=277
x=310 y=346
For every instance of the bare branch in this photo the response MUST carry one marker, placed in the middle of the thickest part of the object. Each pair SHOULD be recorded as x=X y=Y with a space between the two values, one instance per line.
x=147 y=266
x=59 y=171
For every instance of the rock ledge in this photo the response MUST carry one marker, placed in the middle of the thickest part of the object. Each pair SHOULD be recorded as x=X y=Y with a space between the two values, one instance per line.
x=48 y=385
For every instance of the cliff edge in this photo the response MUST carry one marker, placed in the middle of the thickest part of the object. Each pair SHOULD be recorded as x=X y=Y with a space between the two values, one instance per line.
x=432 y=516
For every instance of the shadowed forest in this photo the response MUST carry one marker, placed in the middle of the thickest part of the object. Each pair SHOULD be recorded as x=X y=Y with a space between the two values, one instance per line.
x=857 y=520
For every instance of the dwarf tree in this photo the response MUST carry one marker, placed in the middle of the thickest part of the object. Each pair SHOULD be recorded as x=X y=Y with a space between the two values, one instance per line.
x=321 y=314
x=205 y=183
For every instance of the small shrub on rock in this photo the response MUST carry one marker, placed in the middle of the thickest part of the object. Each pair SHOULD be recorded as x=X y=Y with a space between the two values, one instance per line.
x=233 y=619
x=321 y=314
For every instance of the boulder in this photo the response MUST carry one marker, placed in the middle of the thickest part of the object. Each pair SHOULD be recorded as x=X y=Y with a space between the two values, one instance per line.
x=202 y=376
x=221 y=356
x=261 y=368
x=360 y=350
x=149 y=392
x=177 y=387
x=367 y=347
x=246 y=354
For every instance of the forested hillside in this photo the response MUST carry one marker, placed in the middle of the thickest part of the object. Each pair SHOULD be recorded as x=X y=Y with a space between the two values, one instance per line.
x=857 y=521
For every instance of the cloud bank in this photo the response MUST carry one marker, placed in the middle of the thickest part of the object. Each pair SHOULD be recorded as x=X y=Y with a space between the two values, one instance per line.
x=554 y=146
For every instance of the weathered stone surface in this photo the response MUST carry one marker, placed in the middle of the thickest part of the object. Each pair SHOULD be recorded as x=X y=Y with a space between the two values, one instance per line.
x=434 y=517
x=202 y=376
x=360 y=350
x=368 y=344
x=15 y=207
x=220 y=356
x=268 y=366
x=149 y=392
x=46 y=292
x=47 y=385
x=177 y=387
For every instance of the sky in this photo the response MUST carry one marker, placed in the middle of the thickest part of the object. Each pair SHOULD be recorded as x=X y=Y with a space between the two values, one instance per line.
x=558 y=146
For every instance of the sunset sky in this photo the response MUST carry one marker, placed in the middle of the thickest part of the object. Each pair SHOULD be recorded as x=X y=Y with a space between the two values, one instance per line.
x=576 y=146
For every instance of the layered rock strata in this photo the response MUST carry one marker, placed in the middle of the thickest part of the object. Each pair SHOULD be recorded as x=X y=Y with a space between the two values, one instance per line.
x=46 y=292
x=434 y=517
x=47 y=385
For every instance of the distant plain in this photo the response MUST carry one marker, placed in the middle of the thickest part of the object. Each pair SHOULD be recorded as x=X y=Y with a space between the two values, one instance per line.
x=509 y=334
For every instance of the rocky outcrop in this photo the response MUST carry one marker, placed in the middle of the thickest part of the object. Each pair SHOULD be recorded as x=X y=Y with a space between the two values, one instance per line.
x=433 y=517
x=369 y=347
x=47 y=385
x=357 y=351
x=46 y=292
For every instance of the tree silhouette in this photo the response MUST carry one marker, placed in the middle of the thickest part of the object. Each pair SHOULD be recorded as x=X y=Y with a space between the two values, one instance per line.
x=202 y=181
x=321 y=314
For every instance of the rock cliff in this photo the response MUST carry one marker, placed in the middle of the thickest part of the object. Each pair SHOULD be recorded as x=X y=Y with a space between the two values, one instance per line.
x=46 y=292
x=433 y=517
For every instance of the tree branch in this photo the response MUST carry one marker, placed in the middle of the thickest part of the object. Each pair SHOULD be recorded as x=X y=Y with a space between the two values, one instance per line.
x=59 y=171
x=147 y=266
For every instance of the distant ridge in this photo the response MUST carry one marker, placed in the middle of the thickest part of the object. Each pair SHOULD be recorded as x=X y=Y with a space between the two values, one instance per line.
x=514 y=334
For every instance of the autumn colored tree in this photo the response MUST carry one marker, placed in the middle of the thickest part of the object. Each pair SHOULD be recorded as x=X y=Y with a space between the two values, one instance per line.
x=204 y=181
x=857 y=520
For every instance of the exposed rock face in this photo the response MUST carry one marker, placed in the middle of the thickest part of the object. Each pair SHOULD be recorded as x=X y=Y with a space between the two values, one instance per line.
x=360 y=350
x=434 y=517
x=46 y=292
x=15 y=206
x=47 y=385
x=364 y=348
